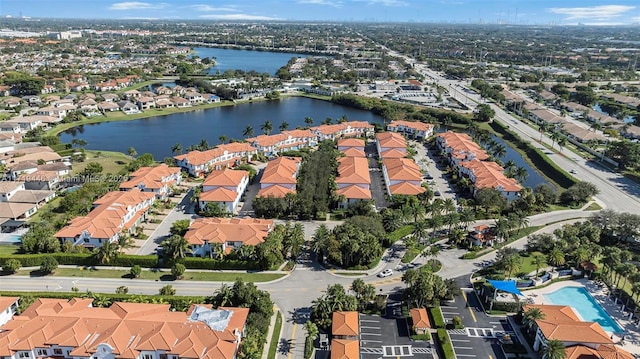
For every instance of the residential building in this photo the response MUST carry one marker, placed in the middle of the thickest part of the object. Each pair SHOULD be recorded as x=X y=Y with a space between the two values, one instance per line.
x=194 y=98
x=482 y=235
x=112 y=214
x=224 y=188
x=107 y=106
x=8 y=308
x=159 y=180
x=197 y=163
x=145 y=103
x=128 y=107
x=560 y=322
x=351 y=147
x=459 y=147
x=15 y=192
x=488 y=174
x=345 y=331
x=61 y=328
x=228 y=233
x=271 y=145
x=402 y=176
x=420 y=319
x=414 y=129
x=34 y=154
x=391 y=145
x=353 y=180
x=279 y=177
x=344 y=129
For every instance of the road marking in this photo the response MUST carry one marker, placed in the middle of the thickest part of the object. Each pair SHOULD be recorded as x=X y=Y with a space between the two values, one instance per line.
x=473 y=315
x=378 y=334
x=293 y=336
x=466 y=355
x=370 y=341
x=460 y=340
x=369 y=327
x=453 y=313
x=465 y=348
x=368 y=320
x=495 y=323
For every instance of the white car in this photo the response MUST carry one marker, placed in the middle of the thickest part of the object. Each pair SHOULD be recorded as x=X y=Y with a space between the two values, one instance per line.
x=385 y=273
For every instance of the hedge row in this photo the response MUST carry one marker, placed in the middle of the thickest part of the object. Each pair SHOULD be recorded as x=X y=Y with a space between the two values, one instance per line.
x=539 y=160
x=436 y=317
x=445 y=344
x=128 y=260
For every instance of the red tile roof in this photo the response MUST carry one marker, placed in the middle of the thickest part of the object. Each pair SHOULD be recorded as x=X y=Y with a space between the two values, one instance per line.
x=249 y=231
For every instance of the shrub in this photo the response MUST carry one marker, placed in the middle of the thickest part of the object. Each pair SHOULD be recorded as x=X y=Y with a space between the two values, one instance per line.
x=11 y=266
x=436 y=317
x=457 y=322
x=49 y=265
x=167 y=290
x=178 y=270
x=445 y=344
x=135 y=271
x=399 y=233
x=122 y=289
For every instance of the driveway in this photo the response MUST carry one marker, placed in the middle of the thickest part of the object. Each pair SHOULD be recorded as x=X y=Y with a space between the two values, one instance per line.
x=252 y=191
x=378 y=191
x=388 y=336
x=426 y=162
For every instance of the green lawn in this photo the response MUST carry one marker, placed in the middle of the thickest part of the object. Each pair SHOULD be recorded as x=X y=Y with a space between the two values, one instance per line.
x=275 y=337
x=112 y=162
x=527 y=266
x=163 y=275
x=49 y=206
x=7 y=249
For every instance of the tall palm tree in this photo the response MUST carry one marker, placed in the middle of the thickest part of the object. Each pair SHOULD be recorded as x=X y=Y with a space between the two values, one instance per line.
x=581 y=254
x=521 y=174
x=502 y=228
x=449 y=206
x=176 y=149
x=562 y=142
x=267 y=127
x=327 y=121
x=530 y=316
x=555 y=137
x=247 y=132
x=511 y=265
x=544 y=127
x=283 y=126
x=223 y=139
x=554 y=349
x=224 y=294
x=538 y=261
x=308 y=120
x=556 y=257
x=107 y=252
x=420 y=230
x=217 y=251
x=176 y=246
x=510 y=168
x=467 y=217
x=499 y=151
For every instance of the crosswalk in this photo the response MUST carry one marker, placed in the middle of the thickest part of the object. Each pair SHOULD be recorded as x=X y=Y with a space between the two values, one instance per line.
x=473 y=332
x=395 y=350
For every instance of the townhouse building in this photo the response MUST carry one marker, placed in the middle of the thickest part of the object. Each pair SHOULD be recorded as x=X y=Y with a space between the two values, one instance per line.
x=228 y=233
x=159 y=180
x=113 y=214
x=224 y=188
x=402 y=176
x=488 y=174
x=271 y=145
x=351 y=147
x=8 y=308
x=198 y=163
x=279 y=177
x=391 y=145
x=344 y=129
x=413 y=129
x=61 y=328
x=345 y=332
x=353 y=180
x=459 y=147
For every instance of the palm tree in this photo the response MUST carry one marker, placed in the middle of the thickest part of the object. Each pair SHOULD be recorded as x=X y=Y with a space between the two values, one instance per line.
x=499 y=151
x=283 y=126
x=267 y=127
x=556 y=258
x=224 y=294
x=327 y=121
x=420 y=230
x=176 y=247
x=595 y=126
x=530 y=316
x=247 y=132
x=449 y=206
x=308 y=121
x=544 y=127
x=203 y=145
x=467 y=217
x=451 y=220
x=562 y=142
x=223 y=139
x=538 y=261
x=555 y=136
x=519 y=220
x=216 y=251
x=510 y=168
x=125 y=241
x=107 y=252
x=132 y=152
x=554 y=349
x=521 y=174
x=581 y=254
x=176 y=149
x=246 y=252
x=502 y=228
x=511 y=265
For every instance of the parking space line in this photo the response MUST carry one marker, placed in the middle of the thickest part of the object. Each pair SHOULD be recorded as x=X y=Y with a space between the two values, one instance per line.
x=369 y=327
x=495 y=323
x=369 y=321
x=460 y=340
x=378 y=334
x=464 y=348
x=466 y=355
x=371 y=341
x=453 y=313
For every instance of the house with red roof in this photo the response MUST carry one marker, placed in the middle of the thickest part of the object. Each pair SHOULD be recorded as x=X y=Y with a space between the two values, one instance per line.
x=402 y=176
x=353 y=180
x=279 y=177
x=198 y=163
x=414 y=129
x=391 y=145
x=229 y=233
x=159 y=180
x=271 y=145
x=224 y=188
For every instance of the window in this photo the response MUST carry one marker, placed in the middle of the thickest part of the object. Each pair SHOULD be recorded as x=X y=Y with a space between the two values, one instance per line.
x=57 y=351
x=147 y=356
x=163 y=356
x=86 y=240
x=24 y=355
x=42 y=352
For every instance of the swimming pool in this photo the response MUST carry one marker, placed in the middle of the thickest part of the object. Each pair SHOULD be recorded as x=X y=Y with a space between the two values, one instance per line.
x=11 y=239
x=583 y=303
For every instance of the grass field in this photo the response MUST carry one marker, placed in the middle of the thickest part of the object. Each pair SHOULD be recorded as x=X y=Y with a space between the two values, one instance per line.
x=275 y=337
x=161 y=275
x=112 y=162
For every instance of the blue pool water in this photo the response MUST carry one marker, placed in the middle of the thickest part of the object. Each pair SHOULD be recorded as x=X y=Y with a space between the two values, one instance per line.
x=583 y=303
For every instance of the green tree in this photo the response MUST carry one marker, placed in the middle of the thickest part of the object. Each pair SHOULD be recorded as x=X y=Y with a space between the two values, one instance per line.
x=122 y=290
x=132 y=152
x=538 y=260
x=11 y=266
x=223 y=139
x=48 y=265
x=176 y=149
x=247 y=132
x=489 y=198
x=176 y=247
x=180 y=227
x=308 y=121
x=364 y=293
x=167 y=290
x=135 y=271
x=554 y=349
x=177 y=271
x=556 y=257
x=283 y=126
x=267 y=127
x=484 y=113
x=106 y=253
x=39 y=238
x=530 y=316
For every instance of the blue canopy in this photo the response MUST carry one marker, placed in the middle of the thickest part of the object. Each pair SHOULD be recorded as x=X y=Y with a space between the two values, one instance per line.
x=508 y=286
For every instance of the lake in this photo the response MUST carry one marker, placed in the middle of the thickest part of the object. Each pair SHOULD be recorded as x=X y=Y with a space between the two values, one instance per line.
x=534 y=178
x=245 y=60
x=156 y=135
x=627 y=119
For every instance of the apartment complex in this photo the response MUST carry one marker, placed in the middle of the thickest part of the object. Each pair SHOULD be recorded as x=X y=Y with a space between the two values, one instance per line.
x=159 y=180
x=470 y=161
x=271 y=145
x=112 y=214
x=345 y=331
x=351 y=147
x=198 y=163
x=353 y=180
x=224 y=188
x=279 y=177
x=61 y=328
x=230 y=233
x=413 y=129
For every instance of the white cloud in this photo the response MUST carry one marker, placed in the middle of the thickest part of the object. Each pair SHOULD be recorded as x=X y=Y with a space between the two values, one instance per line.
x=136 y=5
x=237 y=17
x=332 y=3
x=603 y=12
x=386 y=2
x=208 y=8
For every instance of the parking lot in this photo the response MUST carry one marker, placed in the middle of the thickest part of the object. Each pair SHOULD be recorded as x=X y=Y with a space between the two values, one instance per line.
x=378 y=191
x=439 y=182
x=388 y=336
x=479 y=338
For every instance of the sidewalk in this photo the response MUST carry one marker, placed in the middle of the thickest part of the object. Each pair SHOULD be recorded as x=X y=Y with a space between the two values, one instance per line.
x=272 y=324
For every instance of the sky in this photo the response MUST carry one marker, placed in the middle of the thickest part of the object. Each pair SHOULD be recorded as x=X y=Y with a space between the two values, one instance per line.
x=527 y=12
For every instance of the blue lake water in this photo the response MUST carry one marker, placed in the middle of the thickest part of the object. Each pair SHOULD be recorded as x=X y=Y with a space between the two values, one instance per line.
x=156 y=135
x=245 y=60
x=627 y=119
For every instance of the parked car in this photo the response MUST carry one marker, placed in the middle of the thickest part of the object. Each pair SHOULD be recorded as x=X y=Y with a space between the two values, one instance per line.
x=385 y=273
x=437 y=193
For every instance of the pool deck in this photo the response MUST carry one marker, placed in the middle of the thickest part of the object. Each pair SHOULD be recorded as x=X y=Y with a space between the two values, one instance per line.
x=631 y=342
x=7 y=238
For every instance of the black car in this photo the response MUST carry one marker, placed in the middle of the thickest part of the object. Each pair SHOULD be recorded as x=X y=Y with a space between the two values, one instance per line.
x=436 y=193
